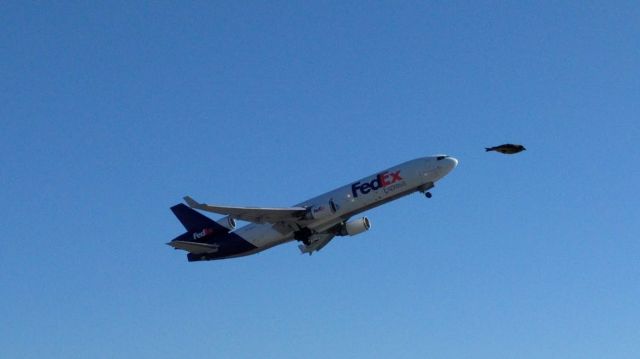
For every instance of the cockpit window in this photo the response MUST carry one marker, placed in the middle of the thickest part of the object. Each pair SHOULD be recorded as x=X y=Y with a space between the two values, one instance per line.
x=440 y=158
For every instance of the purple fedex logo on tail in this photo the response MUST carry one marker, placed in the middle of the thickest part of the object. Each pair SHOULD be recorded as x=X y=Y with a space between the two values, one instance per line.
x=205 y=232
x=382 y=180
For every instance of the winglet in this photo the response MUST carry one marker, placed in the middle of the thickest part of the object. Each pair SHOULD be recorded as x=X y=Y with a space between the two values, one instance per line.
x=191 y=202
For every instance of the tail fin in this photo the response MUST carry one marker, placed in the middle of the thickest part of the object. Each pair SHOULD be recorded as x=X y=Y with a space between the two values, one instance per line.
x=194 y=221
x=488 y=149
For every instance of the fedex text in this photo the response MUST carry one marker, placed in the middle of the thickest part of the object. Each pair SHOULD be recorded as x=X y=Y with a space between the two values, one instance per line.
x=205 y=232
x=382 y=180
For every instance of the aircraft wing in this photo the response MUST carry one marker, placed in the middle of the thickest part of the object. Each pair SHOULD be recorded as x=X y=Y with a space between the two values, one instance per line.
x=253 y=214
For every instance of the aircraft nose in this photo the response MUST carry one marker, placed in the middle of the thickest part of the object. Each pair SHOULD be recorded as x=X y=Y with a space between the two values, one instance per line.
x=449 y=164
x=454 y=162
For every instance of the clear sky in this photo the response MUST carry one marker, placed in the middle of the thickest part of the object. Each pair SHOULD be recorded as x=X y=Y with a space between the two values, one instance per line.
x=110 y=112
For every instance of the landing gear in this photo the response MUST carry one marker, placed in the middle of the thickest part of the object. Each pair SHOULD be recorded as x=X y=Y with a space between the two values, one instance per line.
x=303 y=235
x=425 y=189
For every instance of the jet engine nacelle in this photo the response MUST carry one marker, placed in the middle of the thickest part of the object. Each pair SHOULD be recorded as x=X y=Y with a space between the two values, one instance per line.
x=227 y=222
x=321 y=211
x=356 y=226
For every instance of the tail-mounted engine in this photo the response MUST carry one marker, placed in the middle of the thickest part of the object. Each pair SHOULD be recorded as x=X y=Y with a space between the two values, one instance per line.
x=227 y=222
x=354 y=227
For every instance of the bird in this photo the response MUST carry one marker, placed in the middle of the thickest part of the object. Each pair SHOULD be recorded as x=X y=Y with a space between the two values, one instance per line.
x=507 y=148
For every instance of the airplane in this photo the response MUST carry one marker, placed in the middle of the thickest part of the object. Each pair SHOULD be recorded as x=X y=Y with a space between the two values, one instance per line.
x=313 y=223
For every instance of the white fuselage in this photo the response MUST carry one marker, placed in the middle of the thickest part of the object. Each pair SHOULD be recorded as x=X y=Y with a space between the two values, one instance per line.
x=416 y=175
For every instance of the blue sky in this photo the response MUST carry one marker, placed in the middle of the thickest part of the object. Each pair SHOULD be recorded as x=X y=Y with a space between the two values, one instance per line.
x=111 y=112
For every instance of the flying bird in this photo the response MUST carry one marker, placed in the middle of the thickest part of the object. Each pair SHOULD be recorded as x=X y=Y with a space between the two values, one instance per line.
x=507 y=148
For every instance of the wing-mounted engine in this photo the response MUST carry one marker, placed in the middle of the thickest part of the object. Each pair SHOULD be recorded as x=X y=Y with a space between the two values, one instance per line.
x=321 y=211
x=354 y=227
x=227 y=222
x=313 y=241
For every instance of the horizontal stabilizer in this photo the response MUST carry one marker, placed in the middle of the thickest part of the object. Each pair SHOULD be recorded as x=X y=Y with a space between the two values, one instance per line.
x=194 y=247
